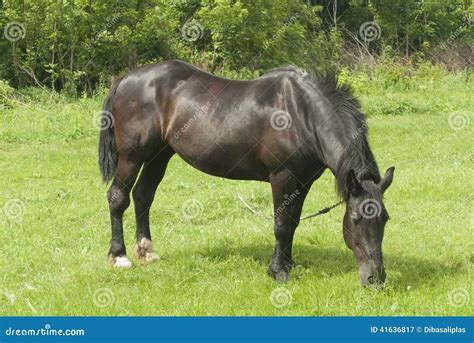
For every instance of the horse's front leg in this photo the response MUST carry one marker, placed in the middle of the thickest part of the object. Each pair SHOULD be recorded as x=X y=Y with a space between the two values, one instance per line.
x=288 y=198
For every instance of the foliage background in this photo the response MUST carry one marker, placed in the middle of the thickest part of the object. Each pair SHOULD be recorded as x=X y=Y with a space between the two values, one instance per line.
x=75 y=45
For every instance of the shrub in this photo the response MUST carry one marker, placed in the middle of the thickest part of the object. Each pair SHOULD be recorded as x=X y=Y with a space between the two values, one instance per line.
x=8 y=96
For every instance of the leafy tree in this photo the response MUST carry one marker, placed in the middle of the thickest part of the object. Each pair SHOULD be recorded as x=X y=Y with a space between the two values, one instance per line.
x=76 y=44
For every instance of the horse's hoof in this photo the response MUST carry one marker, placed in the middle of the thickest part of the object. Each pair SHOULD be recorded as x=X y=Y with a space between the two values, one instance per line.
x=122 y=262
x=144 y=252
x=281 y=276
x=151 y=257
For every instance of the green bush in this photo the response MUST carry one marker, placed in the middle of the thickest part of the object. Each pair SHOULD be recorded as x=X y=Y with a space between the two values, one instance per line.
x=74 y=46
x=392 y=89
x=8 y=96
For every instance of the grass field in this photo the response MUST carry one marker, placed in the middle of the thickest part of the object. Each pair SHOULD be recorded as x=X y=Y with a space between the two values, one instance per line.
x=54 y=227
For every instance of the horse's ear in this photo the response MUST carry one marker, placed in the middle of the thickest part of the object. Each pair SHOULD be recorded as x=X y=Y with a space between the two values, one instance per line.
x=353 y=184
x=387 y=179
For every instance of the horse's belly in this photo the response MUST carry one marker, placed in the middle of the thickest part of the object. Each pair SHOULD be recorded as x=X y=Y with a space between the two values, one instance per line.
x=223 y=145
x=223 y=161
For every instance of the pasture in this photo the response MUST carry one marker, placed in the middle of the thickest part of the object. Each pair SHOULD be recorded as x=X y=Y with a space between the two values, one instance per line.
x=55 y=230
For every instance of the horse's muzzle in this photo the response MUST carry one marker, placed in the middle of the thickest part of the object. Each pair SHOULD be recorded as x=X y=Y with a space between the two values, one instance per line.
x=372 y=274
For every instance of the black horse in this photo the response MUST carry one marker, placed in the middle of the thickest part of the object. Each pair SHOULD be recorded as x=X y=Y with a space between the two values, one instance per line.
x=285 y=128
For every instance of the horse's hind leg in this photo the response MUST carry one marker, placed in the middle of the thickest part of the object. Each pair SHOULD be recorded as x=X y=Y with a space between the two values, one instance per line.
x=119 y=200
x=143 y=195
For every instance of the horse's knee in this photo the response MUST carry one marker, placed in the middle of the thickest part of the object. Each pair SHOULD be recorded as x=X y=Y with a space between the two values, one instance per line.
x=118 y=199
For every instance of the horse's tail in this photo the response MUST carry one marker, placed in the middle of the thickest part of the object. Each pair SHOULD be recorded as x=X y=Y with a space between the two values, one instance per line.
x=107 y=145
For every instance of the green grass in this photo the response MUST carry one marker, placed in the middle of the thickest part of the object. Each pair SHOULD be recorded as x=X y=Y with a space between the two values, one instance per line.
x=54 y=253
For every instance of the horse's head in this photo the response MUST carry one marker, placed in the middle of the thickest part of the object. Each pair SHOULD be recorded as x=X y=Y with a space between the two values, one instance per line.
x=364 y=223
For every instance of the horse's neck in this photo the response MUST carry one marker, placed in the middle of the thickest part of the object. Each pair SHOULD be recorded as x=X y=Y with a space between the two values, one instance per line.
x=341 y=155
x=332 y=149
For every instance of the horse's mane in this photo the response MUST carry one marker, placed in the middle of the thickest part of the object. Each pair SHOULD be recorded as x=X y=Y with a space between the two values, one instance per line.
x=352 y=123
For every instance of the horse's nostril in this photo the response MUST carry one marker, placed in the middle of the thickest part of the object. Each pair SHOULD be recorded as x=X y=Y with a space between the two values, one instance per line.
x=370 y=279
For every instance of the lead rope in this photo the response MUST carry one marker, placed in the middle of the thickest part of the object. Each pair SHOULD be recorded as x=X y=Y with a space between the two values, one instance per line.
x=323 y=211
x=260 y=214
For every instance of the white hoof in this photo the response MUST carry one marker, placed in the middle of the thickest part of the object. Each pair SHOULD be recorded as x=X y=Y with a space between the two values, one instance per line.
x=122 y=262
